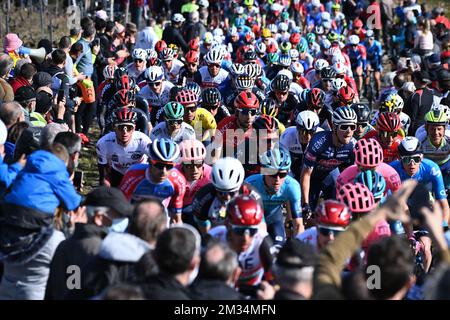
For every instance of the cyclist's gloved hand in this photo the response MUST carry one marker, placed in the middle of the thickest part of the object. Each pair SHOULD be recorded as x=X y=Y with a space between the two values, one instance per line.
x=306 y=211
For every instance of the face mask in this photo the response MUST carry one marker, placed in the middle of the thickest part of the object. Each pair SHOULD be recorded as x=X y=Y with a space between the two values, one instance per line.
x=119 y=225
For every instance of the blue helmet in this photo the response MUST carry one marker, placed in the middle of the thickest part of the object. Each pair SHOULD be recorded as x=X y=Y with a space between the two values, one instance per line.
x=374 y=181
x=277 y=159
x=164 y=150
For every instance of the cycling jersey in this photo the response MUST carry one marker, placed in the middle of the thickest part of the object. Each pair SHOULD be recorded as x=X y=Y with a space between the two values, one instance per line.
x=202 y=122
x=186 y=132
x=156 y=101
x=229 y=135
x=440 y=154
x=205 y=80
x=136 y=185
x=119 y=157
x=393 y=182
x=185 y=76
x=357 y=56
x=134 y=73
x=250 y=260
x=429 y=173
x=289 y=192
x=222 y=113
x=323 y=156
x=389 y=154
x=172 y=74
x=374 y=54
x=421 y=132
x=309 y=236
x=193 y=187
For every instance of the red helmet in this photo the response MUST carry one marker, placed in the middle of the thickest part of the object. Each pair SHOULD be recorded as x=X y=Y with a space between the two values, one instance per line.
x=334 y=214
x=125 y=116
x=346 y=95
x=194 y=44
x=368 y=153
x=244 y=211
x=186 y=97
x=271 y=48
x=160 y=45
x=267 y=123
x=389 y=122
x=316 y=98
x=123 y=98
x=122 y=82
x=295 y=38
x=357 y=197
x=358 y=23
x=191 y=57
x=246 y=100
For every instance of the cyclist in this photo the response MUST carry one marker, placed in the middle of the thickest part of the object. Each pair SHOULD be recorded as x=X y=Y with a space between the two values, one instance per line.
x=200 y=119
x=345 y=97
x=332 y=217
x=297 y=70
x=212 y=102
x=313 y=74
x=245 y=236
x=393 y=102
x=191 y=62
x=358 y=56
x=196 y=172
x=387 y=134
x=156 y=92
x=120 y=149
x=171 y=64
x=270 y=107
x=315 y=101
x=277 y=188
x=374 y=54
x=296 y=139
x=136 y=69
x=209 y=206
x=158 y=178
x=173 y=127
x=286 y=100
x=327 y=75
x=363 y=118
x=369 y=156
x=326 y=152
x=211 y=75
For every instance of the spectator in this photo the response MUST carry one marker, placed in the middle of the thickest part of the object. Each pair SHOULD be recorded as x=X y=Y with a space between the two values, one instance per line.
x=177 y=254
x=28 y=142
x=147 y=38
x=423 y=41
x=11 y=113
x=6 y=91
x=49 y=133
x=72 y=142
x=217 y=275
x=24 y=77
x=172 y=33
x=26 y=96
x=13 y=135
x=65 y=45
x=123 y=292
x=194 y=28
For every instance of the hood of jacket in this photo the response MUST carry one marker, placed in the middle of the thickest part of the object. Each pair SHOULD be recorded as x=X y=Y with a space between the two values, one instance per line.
x=45 y=162
x=123 y=247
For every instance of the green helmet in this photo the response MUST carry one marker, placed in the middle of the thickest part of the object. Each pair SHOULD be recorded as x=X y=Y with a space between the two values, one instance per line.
x=285 y=16
x=285 y=46
x=436 y=116
x=311 y=38
x=173 y=111
x=273 y=57
x=248 y=3
x=302 y=46
x=333 y=36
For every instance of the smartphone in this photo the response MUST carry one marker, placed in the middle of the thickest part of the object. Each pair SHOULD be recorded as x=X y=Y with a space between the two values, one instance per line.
x=78 y=179
x=419 y=199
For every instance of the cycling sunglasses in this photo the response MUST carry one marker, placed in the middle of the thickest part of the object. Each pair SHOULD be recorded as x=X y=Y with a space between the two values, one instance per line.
x=282 y=93
x=227 y=193
x=128 y=127
x=328 y=232
x=345 y=127
x=251 y=112
x=408 y=159
x=193 y=165
x=190 y=109
x=139 y=60
x=304 y=131
x=161 y=165
x=215 y=65
x=279 y=174
x=172 y=122
x=240 y=231
x=155 y=84
x=386 y=134
x=362 y=125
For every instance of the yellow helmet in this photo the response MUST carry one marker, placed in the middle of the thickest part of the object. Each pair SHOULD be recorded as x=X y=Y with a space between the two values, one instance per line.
x=266 y=33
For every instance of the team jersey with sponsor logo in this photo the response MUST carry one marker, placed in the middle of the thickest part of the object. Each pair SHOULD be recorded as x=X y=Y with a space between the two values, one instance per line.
x=186 y=132
x=205 y=80
x=119 y=157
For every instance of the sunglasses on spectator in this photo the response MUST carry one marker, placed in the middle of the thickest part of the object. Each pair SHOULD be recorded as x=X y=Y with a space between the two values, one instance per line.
x=345 y=127
x=127 y=127
x=172 y=122
x=408 y=159
x=161 y=165
x=279 y=174
x=154 y=84
x=328 y=232
x=362 y=125
x=240 y=231
x=250 y=112
x=386 y=134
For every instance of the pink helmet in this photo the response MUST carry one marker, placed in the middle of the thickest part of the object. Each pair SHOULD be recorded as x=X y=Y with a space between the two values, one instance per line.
x=192 y=151
x=357 y=197
x=368 y=153
x=381 y=230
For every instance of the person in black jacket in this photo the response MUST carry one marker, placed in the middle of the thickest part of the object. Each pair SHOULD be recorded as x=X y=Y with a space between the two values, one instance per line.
x=217 y=275
x=177 y=254
x=195 y=28
x=172 y=33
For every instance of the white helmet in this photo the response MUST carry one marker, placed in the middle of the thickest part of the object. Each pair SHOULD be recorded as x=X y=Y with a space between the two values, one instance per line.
x=369 y=33
x=283 y=26
x=237 y=68
x=344 y=115
x=261 y=48
x=227 y=174
x=337 y=84
x=214 y=56
x=297 y=67
x=273 y=28
x=339 y=68
x=320 y=64
x=334 y=50
x=307 y=120
x=285 y=72
x=353 y=39
x=154 y=74
x=108 y=71
x=294 y=54
x=217 y=32
x=203 y=3
x=325 y=15
x=240 y=10
x=338 y=58
x=253 y=70
x=178 y=17
x=139 y=54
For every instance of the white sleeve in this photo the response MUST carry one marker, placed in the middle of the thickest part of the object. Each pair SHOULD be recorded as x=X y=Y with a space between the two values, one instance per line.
x=102 y=152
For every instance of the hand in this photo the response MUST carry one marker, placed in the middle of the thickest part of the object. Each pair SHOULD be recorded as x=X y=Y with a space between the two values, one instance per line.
x=61 y=109
x=122 y=54
x=266 y=291
x=81 y=76
x=394 y=208
x=306 y=211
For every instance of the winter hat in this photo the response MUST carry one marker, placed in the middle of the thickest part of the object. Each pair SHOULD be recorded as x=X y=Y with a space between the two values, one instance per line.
x=12 y=42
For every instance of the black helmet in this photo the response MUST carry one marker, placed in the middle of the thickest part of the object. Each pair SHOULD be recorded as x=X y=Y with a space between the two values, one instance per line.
x=327 y=73
x=211 y=96
x=281 y=83
x=362 y=112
